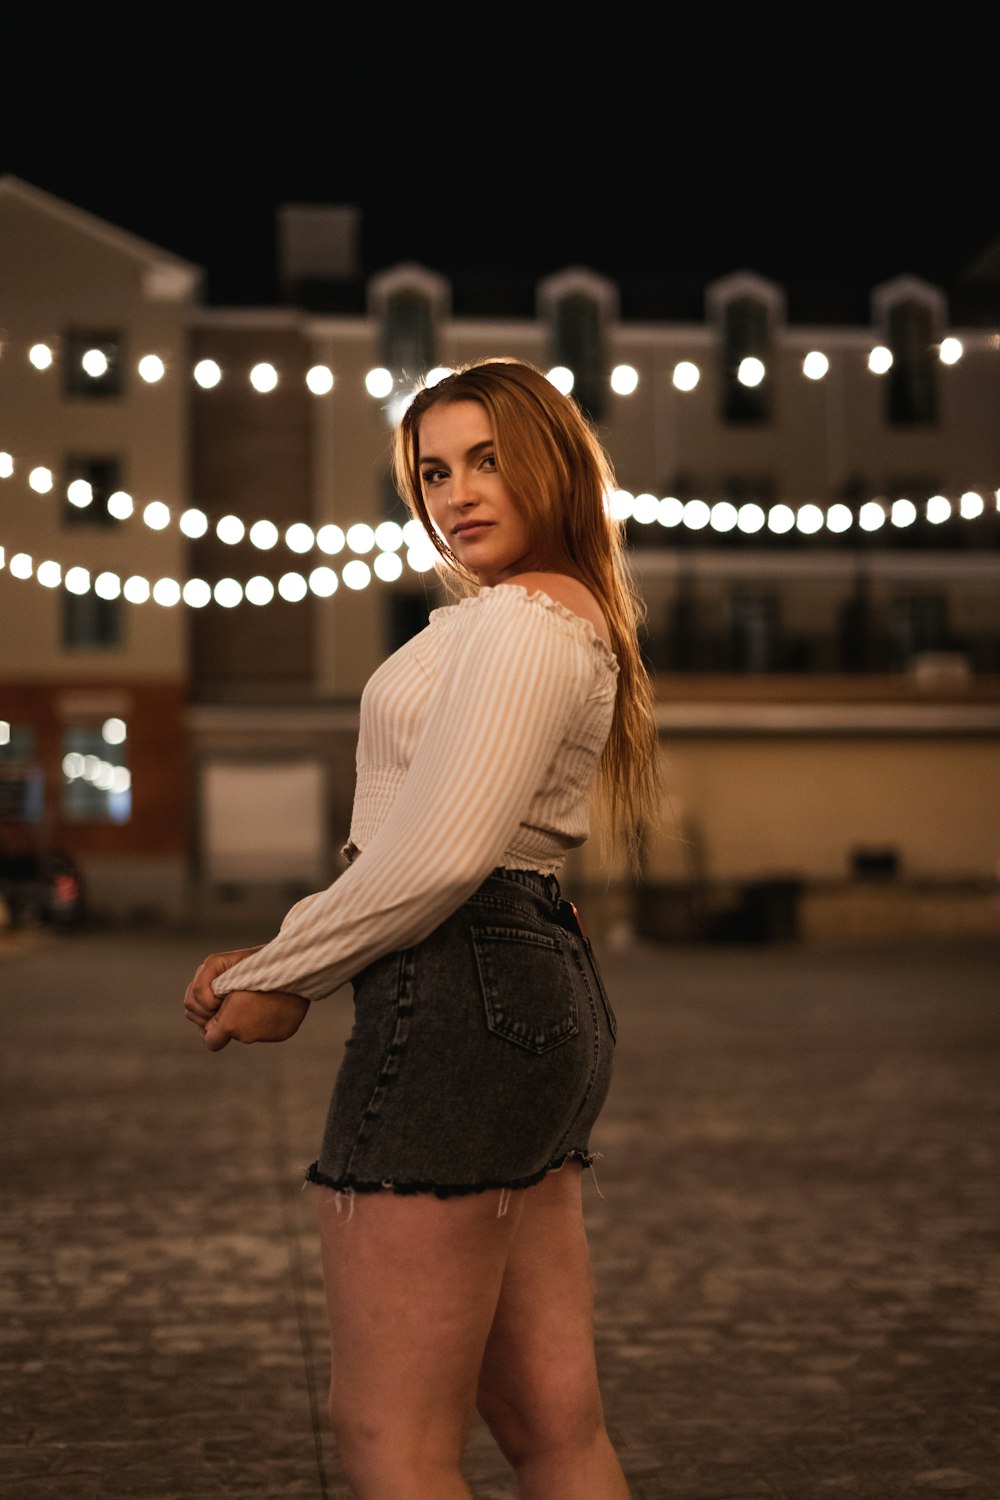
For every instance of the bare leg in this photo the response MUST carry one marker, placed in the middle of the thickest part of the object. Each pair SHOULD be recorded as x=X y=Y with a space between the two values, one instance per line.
x=538 y=1388
x=412 y=1284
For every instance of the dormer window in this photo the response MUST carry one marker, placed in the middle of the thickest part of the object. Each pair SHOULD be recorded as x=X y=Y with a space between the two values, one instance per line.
x=579 y=306
x=410 y=303
x=910 y=315
x=745 y=309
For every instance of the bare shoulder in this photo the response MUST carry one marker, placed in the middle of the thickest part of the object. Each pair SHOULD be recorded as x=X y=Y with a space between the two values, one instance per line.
x=569 y=592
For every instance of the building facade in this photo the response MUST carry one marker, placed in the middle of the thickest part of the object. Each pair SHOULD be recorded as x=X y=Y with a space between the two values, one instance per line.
x=813 y=517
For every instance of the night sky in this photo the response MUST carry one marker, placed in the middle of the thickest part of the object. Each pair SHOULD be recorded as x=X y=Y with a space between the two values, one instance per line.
x=810 y=145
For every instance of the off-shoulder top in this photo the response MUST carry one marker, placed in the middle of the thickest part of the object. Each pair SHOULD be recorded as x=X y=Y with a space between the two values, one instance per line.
x=479 y=743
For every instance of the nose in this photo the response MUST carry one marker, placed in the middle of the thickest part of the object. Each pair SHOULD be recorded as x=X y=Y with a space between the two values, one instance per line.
x=463 y=489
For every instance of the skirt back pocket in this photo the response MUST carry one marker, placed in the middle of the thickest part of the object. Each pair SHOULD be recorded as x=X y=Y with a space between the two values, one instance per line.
x=527 y=983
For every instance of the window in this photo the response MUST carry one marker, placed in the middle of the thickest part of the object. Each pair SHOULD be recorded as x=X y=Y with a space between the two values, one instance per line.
x=745 y=338
x=408 y=333
x=89 y=621
x=104 y=477
x=579 y=345
x=918 y=623
x=93 y=362
x=912 y=380
x=22 y=787
x=755 y=632
x=97 y=783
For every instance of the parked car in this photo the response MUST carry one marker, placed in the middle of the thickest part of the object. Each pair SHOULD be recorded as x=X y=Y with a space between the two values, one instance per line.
x=46 y=887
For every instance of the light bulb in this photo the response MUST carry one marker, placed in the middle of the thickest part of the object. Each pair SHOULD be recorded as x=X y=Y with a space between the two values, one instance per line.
x=624 y=379
x=207 y=373
x=320 y=380
x=263 y=378
x=152 y=368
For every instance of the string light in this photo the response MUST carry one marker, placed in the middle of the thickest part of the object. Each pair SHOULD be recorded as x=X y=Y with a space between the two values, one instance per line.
x=624 y=379
x=95 y=363
x=264 y=378
x=151 y=368
x=951 y=351
x=259 y=590
x=121 y=507
x=264 y=535
x=107 y=586
x=323 y=582
x=40 y=480
x=723 y=516
x=230 y=529
x=77 y=580
x=686 y=375
x=156 y=515
x=360 y=538
x=207 y=374
x=320 y=380
x=697 y=514
x=40 y=356
x=80 y=493
x=751 y=371
x=839 y=518
x=750 y=518
x=880 y=360
x=6 y=465
x=300 y=538
x=193 y=523
x=293 y=587
x=379 y=382
x=562 y=378
x=815 y=365
x=331 y=540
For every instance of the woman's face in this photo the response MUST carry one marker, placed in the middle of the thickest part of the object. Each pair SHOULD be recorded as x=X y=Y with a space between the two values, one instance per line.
x=465 y=494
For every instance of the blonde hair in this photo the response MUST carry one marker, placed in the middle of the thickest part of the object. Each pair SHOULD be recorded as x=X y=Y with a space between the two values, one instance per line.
x=559 y=477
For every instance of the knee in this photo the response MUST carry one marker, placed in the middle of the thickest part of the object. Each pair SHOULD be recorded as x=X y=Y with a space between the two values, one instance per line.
x=529 y=1424
x=382 y=1456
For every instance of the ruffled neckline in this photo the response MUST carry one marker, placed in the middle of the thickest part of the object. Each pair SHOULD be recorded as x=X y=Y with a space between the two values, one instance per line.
x=543 y=601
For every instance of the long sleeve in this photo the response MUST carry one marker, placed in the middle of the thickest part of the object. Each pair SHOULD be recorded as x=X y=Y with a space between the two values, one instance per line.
x=515 y=675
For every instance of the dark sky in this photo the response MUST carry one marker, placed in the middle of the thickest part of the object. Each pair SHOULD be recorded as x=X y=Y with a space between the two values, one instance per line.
x=806 y=142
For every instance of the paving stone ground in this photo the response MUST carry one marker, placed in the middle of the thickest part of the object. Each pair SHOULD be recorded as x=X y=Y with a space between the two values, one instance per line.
x=797 y=1250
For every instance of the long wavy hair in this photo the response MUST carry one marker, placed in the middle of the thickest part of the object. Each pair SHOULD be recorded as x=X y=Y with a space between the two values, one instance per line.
x=560 y=478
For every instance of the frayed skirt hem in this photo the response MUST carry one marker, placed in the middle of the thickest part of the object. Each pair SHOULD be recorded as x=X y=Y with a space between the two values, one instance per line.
x=350 y=1184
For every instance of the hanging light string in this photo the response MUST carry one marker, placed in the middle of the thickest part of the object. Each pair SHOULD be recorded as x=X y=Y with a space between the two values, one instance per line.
x=196 y=592
x=264 y=376
x=387 y=566
x=389 y=537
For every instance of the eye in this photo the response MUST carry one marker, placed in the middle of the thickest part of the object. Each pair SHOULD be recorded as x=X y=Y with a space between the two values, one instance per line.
x=489 y=462
x=433 y=476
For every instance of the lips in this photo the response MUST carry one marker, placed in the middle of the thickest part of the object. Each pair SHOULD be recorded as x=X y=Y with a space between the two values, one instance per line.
x=471 y=528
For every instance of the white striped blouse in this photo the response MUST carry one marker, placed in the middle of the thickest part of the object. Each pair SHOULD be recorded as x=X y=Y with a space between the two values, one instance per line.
x=479 y=744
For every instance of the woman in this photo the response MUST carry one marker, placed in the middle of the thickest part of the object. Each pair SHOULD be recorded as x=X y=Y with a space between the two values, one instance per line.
x=457 y=1275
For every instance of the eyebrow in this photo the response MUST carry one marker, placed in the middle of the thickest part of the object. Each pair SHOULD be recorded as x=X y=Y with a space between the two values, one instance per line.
x=429 y=458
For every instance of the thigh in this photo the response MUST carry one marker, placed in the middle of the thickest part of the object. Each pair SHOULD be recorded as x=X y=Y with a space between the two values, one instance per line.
x=412 y=1283
x=539 y=1371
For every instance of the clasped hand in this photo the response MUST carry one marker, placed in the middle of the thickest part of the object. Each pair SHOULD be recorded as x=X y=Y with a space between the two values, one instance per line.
x=242 y=1015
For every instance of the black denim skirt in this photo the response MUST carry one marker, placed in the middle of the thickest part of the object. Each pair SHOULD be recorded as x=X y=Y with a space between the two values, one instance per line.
x=479 y=1058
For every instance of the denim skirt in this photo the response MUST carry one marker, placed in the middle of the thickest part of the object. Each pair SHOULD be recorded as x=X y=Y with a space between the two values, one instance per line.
x=480 y=1058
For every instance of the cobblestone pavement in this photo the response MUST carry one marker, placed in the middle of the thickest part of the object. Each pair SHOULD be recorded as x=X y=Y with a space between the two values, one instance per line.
x=796 y=1250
